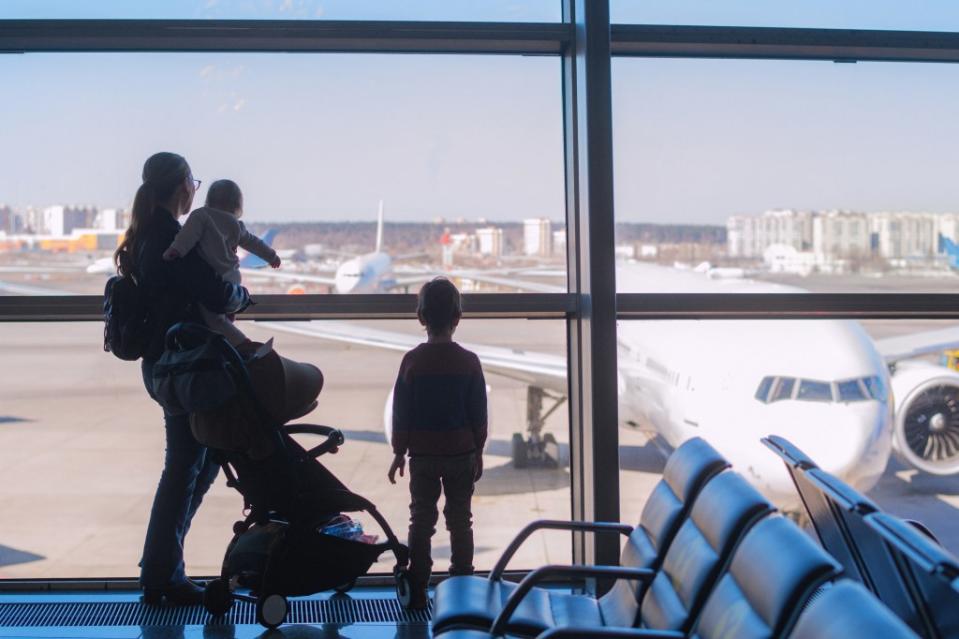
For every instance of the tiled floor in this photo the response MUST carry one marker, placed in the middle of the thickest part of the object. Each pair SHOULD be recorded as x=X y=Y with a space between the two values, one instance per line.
x=209 y=631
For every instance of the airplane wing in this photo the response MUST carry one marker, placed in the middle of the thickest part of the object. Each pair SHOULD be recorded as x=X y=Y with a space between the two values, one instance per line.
x=409 y=280
x=538 y=369
x=289 y=276
x=12 y=288
x=521 y=285
x=894 y=349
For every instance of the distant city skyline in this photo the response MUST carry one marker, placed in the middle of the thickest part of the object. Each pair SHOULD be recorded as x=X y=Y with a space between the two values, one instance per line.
x=325 y=136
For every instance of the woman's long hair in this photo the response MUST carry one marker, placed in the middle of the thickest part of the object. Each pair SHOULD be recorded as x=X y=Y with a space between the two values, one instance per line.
x=163 y=173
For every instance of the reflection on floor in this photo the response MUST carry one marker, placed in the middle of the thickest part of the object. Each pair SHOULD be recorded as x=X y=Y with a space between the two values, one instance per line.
x=364 y=613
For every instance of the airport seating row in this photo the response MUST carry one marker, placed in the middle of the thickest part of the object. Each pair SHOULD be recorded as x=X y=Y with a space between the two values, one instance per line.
x=710 y=558
x=899 y=561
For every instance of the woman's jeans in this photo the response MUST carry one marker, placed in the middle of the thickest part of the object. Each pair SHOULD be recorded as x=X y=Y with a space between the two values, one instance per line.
x=188 y=472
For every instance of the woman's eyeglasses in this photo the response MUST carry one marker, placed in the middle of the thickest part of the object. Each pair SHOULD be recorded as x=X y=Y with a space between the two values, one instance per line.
x=196 y=183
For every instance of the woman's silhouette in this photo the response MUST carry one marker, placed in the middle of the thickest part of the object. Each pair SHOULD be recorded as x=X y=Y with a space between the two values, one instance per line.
x=175 y=291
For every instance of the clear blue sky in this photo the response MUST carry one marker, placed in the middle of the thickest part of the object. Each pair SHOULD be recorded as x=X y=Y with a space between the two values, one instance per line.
x=325 y=136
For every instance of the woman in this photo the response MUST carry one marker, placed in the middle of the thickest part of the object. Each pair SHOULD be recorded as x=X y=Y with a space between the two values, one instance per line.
x=176 y=289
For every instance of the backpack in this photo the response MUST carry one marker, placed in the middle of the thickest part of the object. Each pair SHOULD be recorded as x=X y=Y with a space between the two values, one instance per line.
x=128 y=325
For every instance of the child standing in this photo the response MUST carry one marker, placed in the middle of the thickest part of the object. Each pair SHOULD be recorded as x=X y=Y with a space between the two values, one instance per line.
x=439 y=419
x=216 y=231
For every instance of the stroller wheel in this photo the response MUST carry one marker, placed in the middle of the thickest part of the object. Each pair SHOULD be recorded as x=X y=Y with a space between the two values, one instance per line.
x=404 y=589
x=217 y=597
x=271 y=610
x=346 y=587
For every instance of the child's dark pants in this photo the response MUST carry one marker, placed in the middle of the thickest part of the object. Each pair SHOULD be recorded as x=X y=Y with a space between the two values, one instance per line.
x=428 y=475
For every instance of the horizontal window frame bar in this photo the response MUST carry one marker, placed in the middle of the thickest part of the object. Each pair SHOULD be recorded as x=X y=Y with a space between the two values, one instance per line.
x=630 y=306
x=537 y=38
x=80 y=308
x=784 y=306
x=837 y=45
x=283 y=36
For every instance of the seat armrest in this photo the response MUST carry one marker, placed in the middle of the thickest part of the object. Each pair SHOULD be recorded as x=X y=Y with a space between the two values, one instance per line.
x=553 y=524
x=567 y=572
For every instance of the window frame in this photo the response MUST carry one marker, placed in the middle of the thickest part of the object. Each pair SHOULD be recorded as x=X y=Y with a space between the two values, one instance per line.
x=586 y=43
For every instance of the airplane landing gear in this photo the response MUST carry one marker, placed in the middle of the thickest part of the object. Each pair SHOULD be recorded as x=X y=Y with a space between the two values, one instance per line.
x=539 y=450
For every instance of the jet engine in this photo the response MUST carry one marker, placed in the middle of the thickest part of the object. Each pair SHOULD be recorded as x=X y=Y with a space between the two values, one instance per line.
x=926 y=426
x=388 y=416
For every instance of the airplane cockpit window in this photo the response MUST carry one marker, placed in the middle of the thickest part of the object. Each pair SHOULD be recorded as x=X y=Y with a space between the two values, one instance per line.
x=784 y=389
x=762 y=393
x=775 y=389
x=852 y=390
x=814 y=391
x=877 y=390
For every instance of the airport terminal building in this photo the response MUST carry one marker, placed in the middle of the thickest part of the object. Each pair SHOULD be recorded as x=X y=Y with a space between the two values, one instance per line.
x=708 y=256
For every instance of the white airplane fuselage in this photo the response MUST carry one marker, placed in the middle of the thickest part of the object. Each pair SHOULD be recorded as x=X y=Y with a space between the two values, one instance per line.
x=684 y=379
x=369 y=273
x=688 y=378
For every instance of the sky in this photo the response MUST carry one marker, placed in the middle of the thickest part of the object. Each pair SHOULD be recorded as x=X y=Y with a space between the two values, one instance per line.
x=325 y=136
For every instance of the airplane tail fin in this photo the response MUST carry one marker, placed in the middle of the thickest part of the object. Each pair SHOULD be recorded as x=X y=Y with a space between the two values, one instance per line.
x=379 y=229
x=252 y=261
x=950 y=249
x=268 y=236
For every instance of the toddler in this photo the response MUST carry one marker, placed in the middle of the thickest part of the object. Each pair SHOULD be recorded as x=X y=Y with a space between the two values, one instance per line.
x=216 y=231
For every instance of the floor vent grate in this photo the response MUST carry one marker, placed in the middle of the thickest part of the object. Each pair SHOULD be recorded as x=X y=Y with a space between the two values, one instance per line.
x=336 y=610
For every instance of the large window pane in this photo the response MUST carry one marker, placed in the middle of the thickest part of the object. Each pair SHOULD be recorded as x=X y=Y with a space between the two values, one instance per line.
x=874 y=402
x=81 y=447
x=463 y=152
x=924 y=15
x=495 y=10
x=812 y=175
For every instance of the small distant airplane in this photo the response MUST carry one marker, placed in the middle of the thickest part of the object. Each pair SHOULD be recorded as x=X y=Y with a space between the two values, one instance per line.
x=106 y=265
x=366 y=273
x=951 y=250
x=252 y=261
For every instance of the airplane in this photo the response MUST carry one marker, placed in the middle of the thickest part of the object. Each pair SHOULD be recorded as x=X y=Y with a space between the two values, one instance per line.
x=951 y=250
x=250 y=260
x=106 y=265
x=847 y=400
x=366 y=273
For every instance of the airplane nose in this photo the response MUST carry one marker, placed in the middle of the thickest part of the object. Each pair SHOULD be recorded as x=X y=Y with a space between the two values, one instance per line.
x=850 y=442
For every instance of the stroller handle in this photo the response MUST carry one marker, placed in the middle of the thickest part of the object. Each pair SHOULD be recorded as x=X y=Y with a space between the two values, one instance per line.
x=334 y=438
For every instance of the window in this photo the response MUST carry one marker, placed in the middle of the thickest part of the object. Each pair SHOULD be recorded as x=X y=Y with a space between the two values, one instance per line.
x=713 y=194
x=923 y=15
x=78 y=423
x=851 y=390
x=466 y=170
x=875 y=387
x=721 y=182
x=814 y=391
x=847 y=424
x=762 y=393
x=784 y=389
x=496 y=10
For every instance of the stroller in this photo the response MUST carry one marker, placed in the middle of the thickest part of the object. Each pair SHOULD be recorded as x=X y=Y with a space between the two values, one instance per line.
x=280 y=548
